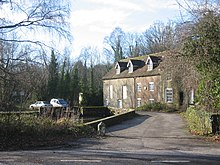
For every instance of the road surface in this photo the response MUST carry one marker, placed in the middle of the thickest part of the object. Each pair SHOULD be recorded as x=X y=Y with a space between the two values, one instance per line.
x=151 y=138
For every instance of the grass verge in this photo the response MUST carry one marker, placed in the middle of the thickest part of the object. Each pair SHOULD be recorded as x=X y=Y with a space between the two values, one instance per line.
x=25 y=132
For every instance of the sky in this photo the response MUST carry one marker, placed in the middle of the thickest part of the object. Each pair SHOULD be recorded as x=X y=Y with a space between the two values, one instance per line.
x=92 y=20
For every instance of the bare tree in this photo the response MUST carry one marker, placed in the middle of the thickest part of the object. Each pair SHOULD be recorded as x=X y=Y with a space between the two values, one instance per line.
x=17 y=74
x=23 y=25
x=193 y=10
x=38 y=16
x=133 y=45
x=159 y=37
x=115 y=43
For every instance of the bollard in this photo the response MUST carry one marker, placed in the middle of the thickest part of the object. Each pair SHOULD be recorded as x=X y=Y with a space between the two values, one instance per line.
x=215 y=121
x=101 y=129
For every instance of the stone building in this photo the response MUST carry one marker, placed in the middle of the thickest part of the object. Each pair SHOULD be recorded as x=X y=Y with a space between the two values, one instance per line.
x=136 y=81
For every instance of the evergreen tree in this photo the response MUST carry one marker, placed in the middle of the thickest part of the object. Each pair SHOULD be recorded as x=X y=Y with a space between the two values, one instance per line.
x=53 y=77
x=61 y=85
x=91 y=80
x=75 y=87
x=66 y=89
x=91 y=92
x=85 y=85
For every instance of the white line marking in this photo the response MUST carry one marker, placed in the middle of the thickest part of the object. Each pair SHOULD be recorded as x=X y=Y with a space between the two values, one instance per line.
x=170 y=161
x=7 y=160
x=82 y=160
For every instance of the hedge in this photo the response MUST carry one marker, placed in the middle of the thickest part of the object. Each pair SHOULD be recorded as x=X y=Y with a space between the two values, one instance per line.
x=198 y=121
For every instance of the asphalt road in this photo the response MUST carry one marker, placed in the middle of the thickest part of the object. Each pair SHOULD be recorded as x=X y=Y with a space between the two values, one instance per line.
x=151 y=138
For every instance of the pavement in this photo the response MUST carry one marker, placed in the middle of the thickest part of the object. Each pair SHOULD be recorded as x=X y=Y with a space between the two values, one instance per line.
x=151 y=138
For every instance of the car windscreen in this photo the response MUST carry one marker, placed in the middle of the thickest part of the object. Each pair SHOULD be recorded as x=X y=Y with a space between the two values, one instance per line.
x=46 y=102
x=62 y=102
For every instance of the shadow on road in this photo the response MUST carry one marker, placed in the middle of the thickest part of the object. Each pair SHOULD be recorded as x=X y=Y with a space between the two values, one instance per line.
x=140 y=118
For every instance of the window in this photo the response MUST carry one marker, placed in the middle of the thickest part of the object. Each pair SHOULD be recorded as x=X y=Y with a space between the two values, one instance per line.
x=151 y=86
x=130 y=67
x=169 y=95
x=169 y=77
x=111 y=92
x=124 y=92
x=191 y=97
x=151 y=100
x=119 y=103
x=117 y=69
x=138 y=87
x=149 y=65
x=138 y=102
x=106 y=102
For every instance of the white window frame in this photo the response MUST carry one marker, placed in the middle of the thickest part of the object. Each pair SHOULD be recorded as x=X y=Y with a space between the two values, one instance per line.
x=151 y=86
x=130 y=67
x=111 y=91
x=151 y=100
x=118 y=70
x=138 y=102
x=169 y=95
x=124 y=92
x=120 y=103
x=106 y=102
x=192 y=96
x=150 y=65
x=139 y=87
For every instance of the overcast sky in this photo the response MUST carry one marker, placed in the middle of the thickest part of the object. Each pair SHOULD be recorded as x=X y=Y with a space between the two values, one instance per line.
x=92 y=20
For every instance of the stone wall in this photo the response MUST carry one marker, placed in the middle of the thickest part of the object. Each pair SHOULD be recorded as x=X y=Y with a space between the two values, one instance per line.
x=117 y=85
x=146 y=94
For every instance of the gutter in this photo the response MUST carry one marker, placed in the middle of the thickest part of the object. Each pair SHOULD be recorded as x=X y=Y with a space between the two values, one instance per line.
x=110 y=78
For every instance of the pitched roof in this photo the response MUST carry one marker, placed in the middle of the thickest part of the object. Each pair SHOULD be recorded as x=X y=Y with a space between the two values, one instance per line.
x=137 y=73
x=137 y=63
x=155 y=59
x=142 y=71
x=122 y=64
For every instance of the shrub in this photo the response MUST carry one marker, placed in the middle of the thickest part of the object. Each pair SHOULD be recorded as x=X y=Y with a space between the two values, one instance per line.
x=159 y=107
x=198 y=121
x=24 y=131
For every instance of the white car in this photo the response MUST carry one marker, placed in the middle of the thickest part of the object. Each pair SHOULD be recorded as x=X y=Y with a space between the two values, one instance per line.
x=40 y=104
x=59 y=103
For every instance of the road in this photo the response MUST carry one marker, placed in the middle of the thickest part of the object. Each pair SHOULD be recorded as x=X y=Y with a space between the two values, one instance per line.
x=151 y=138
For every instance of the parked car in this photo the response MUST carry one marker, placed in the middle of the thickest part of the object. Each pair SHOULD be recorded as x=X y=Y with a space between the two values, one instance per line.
x=40 y=104
x=59 y=103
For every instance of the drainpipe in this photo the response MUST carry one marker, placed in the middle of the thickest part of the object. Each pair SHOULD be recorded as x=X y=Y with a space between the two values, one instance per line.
x=134 y=97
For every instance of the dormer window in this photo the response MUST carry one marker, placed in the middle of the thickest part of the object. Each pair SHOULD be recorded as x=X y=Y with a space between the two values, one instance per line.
x=120 y=67
x=134 y=65
x=150 y=64
x=117 y=67
x=130 y=67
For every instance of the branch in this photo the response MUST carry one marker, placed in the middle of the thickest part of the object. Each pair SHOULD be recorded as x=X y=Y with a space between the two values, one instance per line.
x=40 y=15
x=27 y=41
